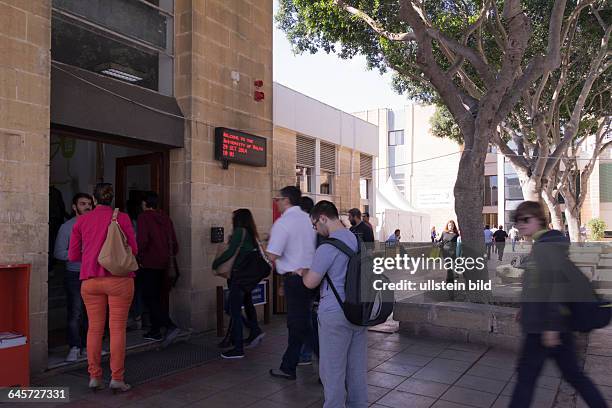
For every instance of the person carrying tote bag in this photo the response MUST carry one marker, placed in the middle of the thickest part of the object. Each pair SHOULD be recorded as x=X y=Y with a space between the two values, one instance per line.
x=244 y=240
x=102 y=288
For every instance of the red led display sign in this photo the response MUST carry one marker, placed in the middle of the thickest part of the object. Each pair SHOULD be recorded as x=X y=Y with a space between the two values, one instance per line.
x=239 y=147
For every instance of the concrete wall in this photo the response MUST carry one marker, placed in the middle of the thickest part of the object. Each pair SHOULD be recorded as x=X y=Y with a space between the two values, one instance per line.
x=214 y=38
x=345 y=184
x=25 y=38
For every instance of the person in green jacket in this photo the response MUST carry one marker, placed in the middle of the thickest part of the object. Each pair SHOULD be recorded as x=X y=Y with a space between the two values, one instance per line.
x=244 y=239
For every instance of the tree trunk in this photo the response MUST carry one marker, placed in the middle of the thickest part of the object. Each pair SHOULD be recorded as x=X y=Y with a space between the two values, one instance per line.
x=573 y=224
x=530 y=188
x=555 y=210
x=468 y=206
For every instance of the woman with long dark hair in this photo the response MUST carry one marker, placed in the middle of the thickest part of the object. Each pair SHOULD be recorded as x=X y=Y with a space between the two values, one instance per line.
x=448 y=244
x=244 y=239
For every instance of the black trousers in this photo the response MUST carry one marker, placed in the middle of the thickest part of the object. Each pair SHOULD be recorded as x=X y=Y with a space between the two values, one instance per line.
x=299 y=320
x=532 y=358
x=151 y=281
x=500 y=246
x=239 y=297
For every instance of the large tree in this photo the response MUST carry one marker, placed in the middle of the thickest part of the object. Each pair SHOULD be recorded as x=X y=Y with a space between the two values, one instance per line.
x=443 y=46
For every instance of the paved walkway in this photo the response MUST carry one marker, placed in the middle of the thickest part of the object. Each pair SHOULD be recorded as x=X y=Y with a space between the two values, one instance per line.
x=404 y=372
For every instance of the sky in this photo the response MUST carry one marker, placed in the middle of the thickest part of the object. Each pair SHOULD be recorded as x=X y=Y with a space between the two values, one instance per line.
x=343 y=84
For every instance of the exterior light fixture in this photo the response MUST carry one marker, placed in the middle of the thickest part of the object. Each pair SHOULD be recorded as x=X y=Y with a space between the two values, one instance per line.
x=120 y=72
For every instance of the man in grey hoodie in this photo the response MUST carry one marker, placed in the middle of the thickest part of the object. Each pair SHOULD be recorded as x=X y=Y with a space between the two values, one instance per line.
x=76 y=333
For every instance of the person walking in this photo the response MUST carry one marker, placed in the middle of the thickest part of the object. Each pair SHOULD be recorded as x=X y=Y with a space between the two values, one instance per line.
x=448 y=245
x=292 y=247
x=343 y=346
x=244 y=239
x=76 y=332
x=366 y=219
x=434 y=234
x=488 y=239
x=157 y=244
x=546 y=329
x=100 y=289
x=514 y=236
x=499 y=237
x=358 y=227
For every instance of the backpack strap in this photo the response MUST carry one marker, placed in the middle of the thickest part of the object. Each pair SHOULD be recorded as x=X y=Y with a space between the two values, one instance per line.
x=115 y=215
x=341 y=246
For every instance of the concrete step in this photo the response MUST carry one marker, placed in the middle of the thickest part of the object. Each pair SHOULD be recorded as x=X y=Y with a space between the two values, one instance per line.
x=586 y=249
x=604 y=274
x=584 y=258
x=605 y=263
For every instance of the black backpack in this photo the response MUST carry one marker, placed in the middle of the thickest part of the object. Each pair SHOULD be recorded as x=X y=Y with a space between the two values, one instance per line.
x=363 y=305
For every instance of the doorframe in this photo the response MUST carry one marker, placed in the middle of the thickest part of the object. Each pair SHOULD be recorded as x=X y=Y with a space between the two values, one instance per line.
x=163 y=177
x=93 y=136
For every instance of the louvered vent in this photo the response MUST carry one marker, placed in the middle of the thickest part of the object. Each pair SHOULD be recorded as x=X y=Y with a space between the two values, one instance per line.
x=305 y=150
x=365 y=166
x=328 y=157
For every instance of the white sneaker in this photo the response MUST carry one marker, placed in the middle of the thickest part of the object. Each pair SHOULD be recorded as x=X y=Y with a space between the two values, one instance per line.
x=73 y=354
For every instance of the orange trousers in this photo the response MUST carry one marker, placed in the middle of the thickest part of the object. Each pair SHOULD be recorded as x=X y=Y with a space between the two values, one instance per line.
x=97 y=293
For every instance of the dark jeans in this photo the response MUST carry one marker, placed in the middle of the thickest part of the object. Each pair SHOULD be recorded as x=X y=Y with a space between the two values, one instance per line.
x=137 y=305
x=151 y=281
x=500 y=246
x=239 y=297
x=532 y=358
x=77 y=316
x=311 y=343
x=299 y=320
x=489 y=245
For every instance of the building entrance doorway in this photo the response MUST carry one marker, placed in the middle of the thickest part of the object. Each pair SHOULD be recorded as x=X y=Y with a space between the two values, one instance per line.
x=77 y=164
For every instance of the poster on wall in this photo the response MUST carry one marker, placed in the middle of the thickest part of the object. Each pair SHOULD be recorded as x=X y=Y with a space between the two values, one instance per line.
x=233 y=146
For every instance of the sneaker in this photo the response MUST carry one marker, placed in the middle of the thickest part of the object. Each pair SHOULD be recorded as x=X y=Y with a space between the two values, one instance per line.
x=171 y=335
x=281 y=374
x=256 y=341
x=83 y=352
x=305 y=362
x=73 y=354
x=232 y=354
x=153 y=336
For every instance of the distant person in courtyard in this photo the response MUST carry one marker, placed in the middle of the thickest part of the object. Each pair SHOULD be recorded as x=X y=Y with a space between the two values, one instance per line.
x=343 y=362
x=358 y=227
x=434 y=234
x=366 y=219
x=448 y=244
x=488 y=239
x=76 y=333
x=291 y=247
x=499 y=237
x=394 y=238
x=514 y=236
x=101 y=289
x=545 y=327
x=157 y=245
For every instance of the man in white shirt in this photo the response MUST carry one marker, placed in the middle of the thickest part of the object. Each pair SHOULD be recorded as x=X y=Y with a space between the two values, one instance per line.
x=291 y=247
x=514 y=234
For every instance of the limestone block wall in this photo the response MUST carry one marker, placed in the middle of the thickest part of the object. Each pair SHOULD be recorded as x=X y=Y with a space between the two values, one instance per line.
x=213 y=39
x=25 y=38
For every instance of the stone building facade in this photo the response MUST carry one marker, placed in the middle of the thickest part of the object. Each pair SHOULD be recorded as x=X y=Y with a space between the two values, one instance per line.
x=218 y=49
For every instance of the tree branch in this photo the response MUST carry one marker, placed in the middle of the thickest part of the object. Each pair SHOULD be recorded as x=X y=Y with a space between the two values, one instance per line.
x=375 y=25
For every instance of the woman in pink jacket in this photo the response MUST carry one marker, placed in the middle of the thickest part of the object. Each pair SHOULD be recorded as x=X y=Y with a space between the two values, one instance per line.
x=100 y=288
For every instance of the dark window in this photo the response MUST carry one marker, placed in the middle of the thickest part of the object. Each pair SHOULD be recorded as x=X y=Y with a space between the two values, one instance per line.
x=490 y=190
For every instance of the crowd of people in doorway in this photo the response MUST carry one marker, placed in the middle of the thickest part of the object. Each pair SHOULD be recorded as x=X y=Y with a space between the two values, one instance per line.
x=95 y=297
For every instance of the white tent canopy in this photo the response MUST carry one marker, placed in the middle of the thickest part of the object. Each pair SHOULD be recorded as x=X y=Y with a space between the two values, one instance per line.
x=393 y=211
